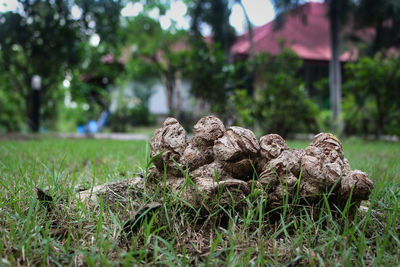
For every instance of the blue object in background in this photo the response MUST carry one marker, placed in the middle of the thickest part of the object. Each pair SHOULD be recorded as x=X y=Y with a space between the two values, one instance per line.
x=81 y=129
x=101 y=122
x=92 y=127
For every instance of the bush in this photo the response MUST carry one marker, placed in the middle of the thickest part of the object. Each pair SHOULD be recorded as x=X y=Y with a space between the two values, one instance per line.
x=69 y=118
x=139 y=115
x=213 y=77
x=280 y=104
x=12 y=112
x=371 y=102
x=244 y=108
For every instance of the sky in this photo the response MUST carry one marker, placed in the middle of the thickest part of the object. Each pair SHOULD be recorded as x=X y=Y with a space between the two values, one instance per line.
x=259 y=11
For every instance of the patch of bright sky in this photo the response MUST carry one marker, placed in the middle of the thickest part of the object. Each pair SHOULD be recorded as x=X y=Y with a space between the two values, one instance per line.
x=176 y=14
x=94 y=40
x=259 y=11
x=76 y=12
x=7 y=5
x=132 y=9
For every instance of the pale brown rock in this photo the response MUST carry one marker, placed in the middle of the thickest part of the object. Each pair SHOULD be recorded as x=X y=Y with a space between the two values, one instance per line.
x=215 y=156
x=233 y=160
x=272 y=146
x=358 y=183
x=119 y=191
x=169 y=143
x=207 y=130
x=237 y=151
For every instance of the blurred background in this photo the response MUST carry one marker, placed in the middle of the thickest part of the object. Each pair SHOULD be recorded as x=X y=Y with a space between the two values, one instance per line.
x=275 y=66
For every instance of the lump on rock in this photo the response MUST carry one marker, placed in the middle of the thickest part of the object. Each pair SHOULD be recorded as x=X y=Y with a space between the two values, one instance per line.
x=323 y=164
x=237 y=152
x=199 y=151
x=219 y=159
x=167 y=147
x=314 y=171
x=207 y=130
x=279 y=168
x=271 y=146
x=356 y=183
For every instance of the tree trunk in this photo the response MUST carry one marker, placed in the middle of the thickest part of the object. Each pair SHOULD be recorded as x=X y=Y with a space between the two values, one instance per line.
x=334 y=66
x=252 y=69
x=178 y=89
x=35 y=113
x=249 y=28
x=380 y=117
x=169 y=83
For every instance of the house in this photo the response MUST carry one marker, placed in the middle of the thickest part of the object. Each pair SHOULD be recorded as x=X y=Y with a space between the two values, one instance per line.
x=306 y=31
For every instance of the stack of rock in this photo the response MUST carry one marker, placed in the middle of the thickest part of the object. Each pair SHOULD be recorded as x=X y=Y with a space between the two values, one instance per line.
x=233 y=158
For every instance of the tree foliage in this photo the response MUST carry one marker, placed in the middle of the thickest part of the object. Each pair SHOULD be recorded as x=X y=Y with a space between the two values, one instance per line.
x=372 y=96
x=338 y=11
x=384 y=17
x=157 y=53
x=213 y=78
x=281 y=104
x=45 y=39
x=214 y=13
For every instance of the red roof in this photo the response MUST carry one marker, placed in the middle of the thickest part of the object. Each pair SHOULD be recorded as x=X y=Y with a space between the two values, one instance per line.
x=310 y=40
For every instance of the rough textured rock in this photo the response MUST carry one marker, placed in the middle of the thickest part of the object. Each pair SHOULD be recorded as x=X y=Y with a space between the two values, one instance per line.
x=233 y=163
x=237 y=152
x=271 y=146
x=169 y=143
x=217 y=158
x=357 y=181
x=207 y=130
x=113 y=192
x=199 y=151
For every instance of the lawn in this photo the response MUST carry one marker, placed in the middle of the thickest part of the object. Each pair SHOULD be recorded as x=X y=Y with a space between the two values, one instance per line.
x=70 y=233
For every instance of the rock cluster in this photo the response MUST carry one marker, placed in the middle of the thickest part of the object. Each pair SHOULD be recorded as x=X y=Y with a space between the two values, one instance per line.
x=233 y=158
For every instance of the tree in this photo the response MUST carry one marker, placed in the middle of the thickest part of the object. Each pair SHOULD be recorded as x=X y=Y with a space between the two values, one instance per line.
x=211 y=70
x=213 y=78
x=337 y=14
x=281 y=105
x=92 y=80
x=157 y=53
x=384 y=17
x=249 y=27
x=216 y=14
x=45 y=39
x=10 y=106
x=335 y=76
x=373 y=95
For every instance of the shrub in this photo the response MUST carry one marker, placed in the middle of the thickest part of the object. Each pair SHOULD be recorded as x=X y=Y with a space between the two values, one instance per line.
x=12 y=112
x=280 y=103
x=213 y=77
x=371 y=101
x=138 y=115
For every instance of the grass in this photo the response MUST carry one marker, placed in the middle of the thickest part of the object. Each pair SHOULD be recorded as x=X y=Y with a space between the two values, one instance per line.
x=74 y=234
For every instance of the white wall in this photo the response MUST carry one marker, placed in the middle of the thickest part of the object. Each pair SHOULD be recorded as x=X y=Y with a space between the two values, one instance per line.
x=158 y=100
